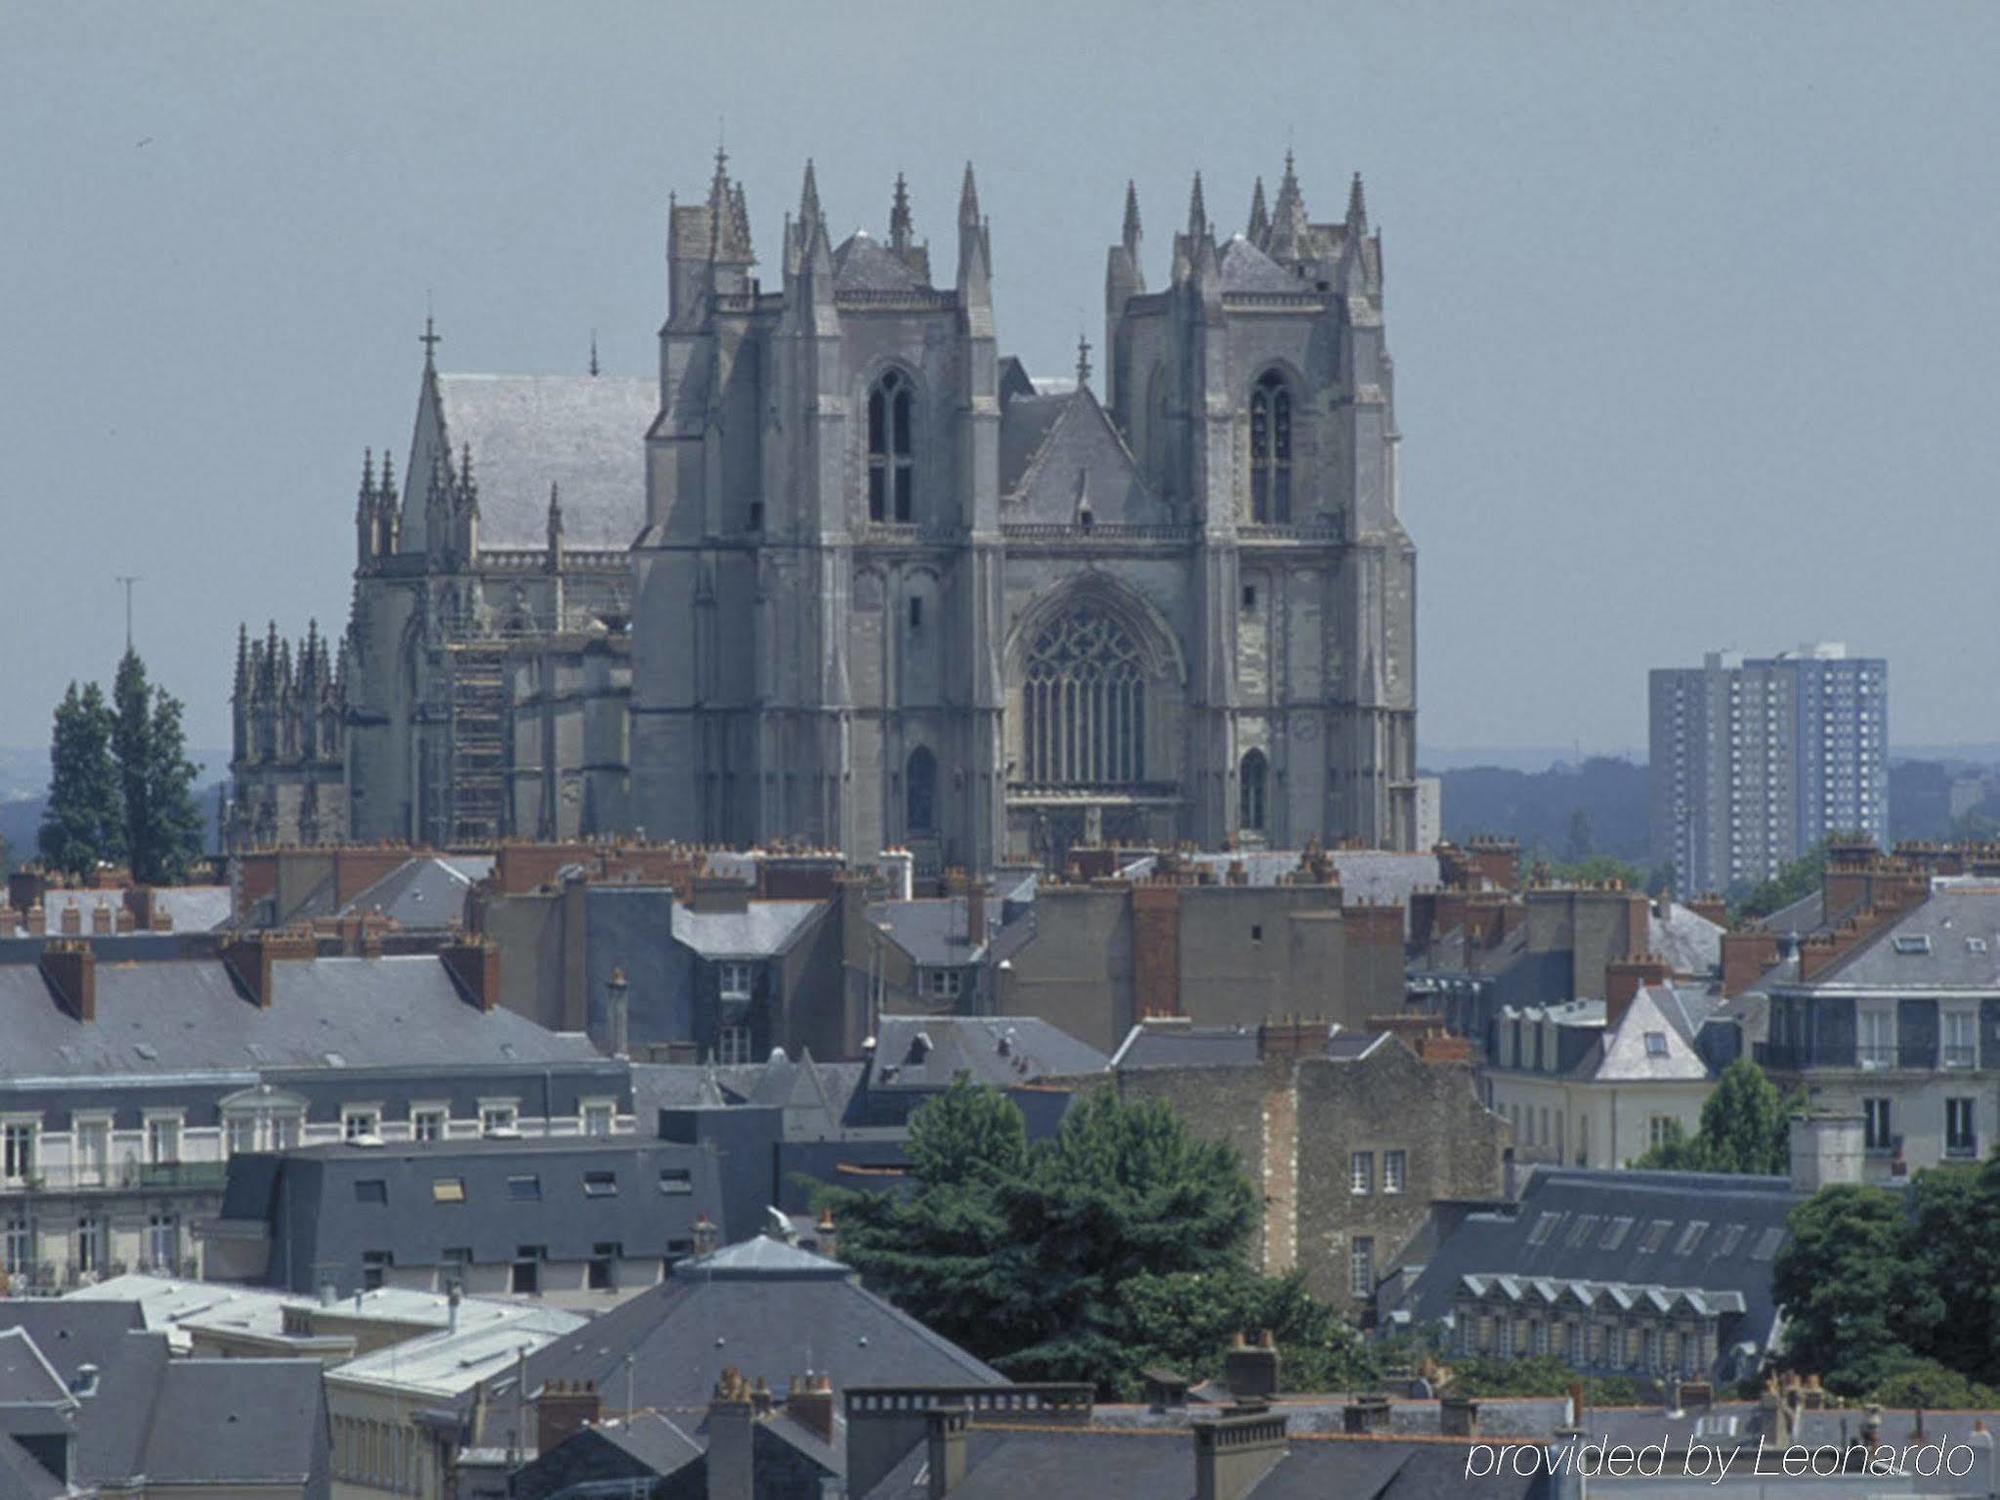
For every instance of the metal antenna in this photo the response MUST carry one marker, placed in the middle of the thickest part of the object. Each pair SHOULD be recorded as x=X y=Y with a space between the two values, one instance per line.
x=128 y=579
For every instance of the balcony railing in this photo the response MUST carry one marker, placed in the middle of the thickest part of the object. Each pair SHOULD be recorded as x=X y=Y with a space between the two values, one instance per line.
x=120 y=1177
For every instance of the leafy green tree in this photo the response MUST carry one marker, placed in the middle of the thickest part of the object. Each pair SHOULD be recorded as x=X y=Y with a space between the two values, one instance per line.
x=1794 y=882
x=1953 y=1248
x=1926 y=1383
x=1536 y=1375
x=1745 y=1127
x=1855 y=1312
x=163 y=827
x=1117 y=1244
x=84 y=820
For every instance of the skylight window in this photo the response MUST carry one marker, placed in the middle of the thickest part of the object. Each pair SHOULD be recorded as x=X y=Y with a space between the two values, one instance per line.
x=1691 y=1237
x=1614 y=1236
x=1545 y=1226
x=1585 y=1226
x=1655 y=1236
x=1767 y=1243
x=1914 y=943
x=1732 y=1236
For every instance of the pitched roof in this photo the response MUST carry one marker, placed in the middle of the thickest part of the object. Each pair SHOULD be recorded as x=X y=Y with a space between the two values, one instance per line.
x=1173 y=1045
x=235 y=1421
x=1079 y=463
x=652 y=1439
x=1245 y=268
x=1714 y=1232
x=864 y=264
x=1689 y=942
x=761 y=929
x=1949 y=943
x=768 y=1310
x=928 y=1052
x=585 y=433
x=426 y=891
x=1025 y=421
x=26 y=1378
x=1648 y=1046
x=23 y=1478
x=186 y=1015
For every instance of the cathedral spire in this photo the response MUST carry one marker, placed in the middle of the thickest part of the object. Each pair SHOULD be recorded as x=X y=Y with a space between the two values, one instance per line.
x=809 y=209
x=968 y=202
x=899 y=218
x=1197 y=212
x=242 y=659
x=388 y=487
x=1132 y=229
x=593 y=352
x=430 y=339
x=1291 y=230
x=1260 y=218
x=1357 y=207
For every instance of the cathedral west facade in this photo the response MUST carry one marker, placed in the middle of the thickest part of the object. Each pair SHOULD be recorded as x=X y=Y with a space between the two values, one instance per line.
x=846 y=574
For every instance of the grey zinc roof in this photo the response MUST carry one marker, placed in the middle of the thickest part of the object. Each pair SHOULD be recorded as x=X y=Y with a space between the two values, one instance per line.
x=447 y=1363
x=762 y=929
x=864 y=264
x=585 y=433
x=651 y=1439
x=1949 y=943
x=181 y=1016
x=775 y=1311
x=1002 y=1051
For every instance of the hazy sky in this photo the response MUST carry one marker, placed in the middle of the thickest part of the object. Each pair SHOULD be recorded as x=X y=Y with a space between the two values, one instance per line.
x=1694 y=309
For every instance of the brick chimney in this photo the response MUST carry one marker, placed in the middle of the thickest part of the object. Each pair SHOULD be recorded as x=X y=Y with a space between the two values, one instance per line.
x=944 y=1447
x=72 y=920
x=563 y=1409
x=1624 y=978
x=1746 y=958
x=100 y=919
x=975 y=912
x=1232 y=1453
x=809 y=1403
x=732 y=1430
x=1156 y=949
x=618 y=1001
x=35 y=920
x=475 y=963
x=1499 y=860
x=251 y=956
x=1292 y=1038
x=1709 y=906
x=70 y=967
x=716 y=895
x=1250 y=1367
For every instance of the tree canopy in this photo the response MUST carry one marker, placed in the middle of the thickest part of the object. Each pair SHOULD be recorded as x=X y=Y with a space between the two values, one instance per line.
x=1896 y=1296
x=1117 y=1244
x=1745 y=1127
x=121 y=787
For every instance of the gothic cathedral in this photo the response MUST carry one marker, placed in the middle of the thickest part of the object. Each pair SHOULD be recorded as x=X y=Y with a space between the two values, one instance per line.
x=849 y=576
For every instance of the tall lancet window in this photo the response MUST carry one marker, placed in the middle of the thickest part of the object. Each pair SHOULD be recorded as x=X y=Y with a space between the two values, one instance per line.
x=1084 y=704
x=1271 y=449
x=891 y=469
x=1254 y=780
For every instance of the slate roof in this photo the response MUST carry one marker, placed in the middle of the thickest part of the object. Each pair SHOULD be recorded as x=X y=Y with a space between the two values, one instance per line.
x=1378 y=876
x=931 y=930
x=1024 y=426
x=651 y=1439
x=1002 y=1051
x=1627 y=1055
x=1949 y=943
x=1245 y=268
x=767 y=1309
x=1078 y=455
x=25 y=1377
x=22 y=1477
x=762 y=929
x=1178 y=1046
x=235 y=1421
x=1031 y=1463
x=1686 y=939
x=1453 y=952
x=427 y=891
x=187 y=1016
x=1578 y=1225
x=585 y=433
x=865 y=264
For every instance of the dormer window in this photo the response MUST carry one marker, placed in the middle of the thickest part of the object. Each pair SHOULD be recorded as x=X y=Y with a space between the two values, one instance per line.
x=1271 y=450
x=891 y=473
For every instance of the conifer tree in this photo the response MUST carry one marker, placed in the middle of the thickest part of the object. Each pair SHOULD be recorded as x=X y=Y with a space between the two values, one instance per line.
x=84 y=820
